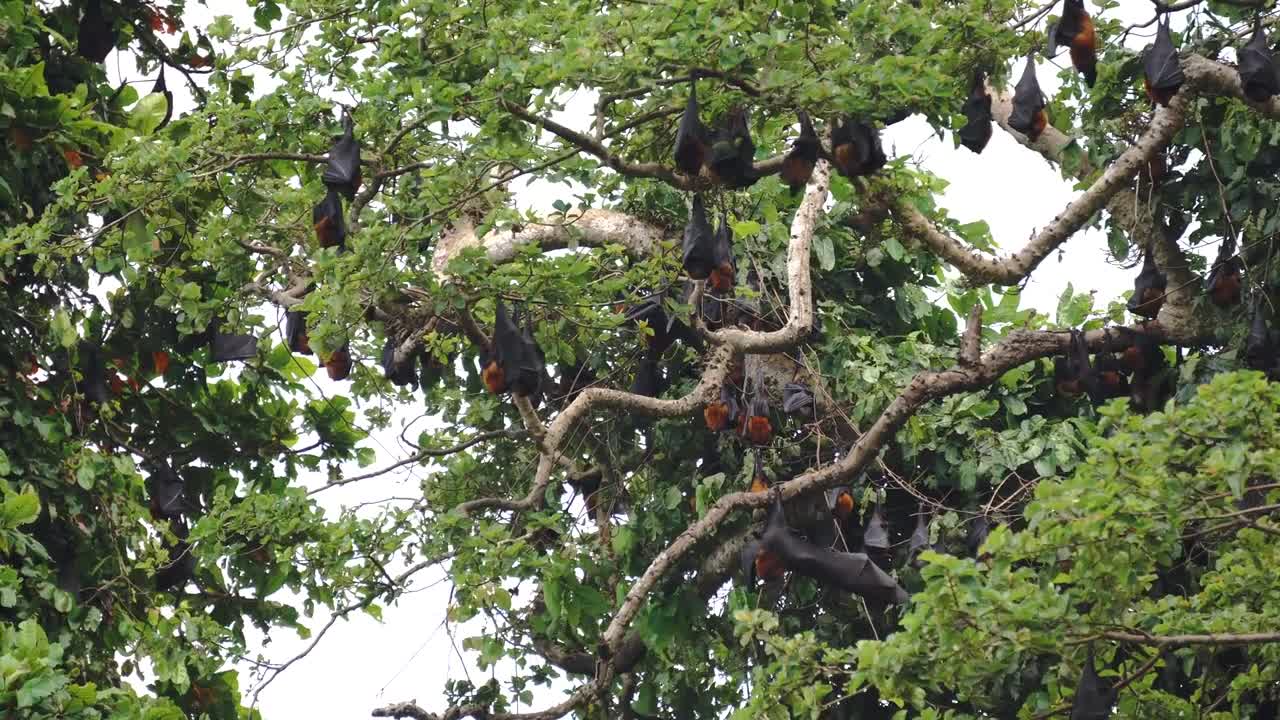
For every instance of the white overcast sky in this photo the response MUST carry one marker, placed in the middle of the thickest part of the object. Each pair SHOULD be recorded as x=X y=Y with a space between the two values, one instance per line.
x=363 y=664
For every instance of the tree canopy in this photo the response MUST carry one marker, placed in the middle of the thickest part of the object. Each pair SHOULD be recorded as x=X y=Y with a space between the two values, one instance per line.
x=748 y=426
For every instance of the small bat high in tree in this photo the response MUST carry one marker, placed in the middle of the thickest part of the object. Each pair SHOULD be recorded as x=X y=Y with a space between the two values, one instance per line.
x=162 y=88
x=338 y=366
x=648 y=380
x=1028 y=116
x=779 y=549
x=1225 y=277
x=1162 y=74
x=1148 y=288
x=977 y=129
x=721 y=279
x=691 y=137
x=331 y=230
x=515 y=363
x=720 y=414
x=1075 y=30
x=96 y=37
x=699 y=245
x=1257 y=67
x=733 y=152
x=759 y=479
x=755 y=421
x=93 y=382
x=400 y=373
x=295 y=330
x=855 y=148
x=797 y=399
x=225 y=347
x=343 y=171
x=1094 y=697
x=165 y=491
x=1260 y=343
x=797 y=166
x=1073 y=374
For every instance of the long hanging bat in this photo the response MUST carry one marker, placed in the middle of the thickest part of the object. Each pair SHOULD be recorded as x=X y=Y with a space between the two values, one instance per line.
x=1162 y=74
x=1075 y=30
x=1260 y=343
x=1151 y=381
x=1225 y=278
x=512 y=365
x=699 y=254
x=759 y=480
x=224 y=347
x=977 y=129
x=797 y=166
x=331 y=230
x=93 y=383
x=691 y=137
x=1112 y=380
x=855 y=148
x=721 y=413
x=165 y=491
x=722 y=274
x=295 y=330
x=1028 y=116
x=875 y=539
x=1148 y=289
x=96 y=36
x=338 y=366
x=779 y=549
x=1257 y=67
x=162 y=88
x=648 y=380
x=755 y=421
x=733 y=153
x=343 y=171
x=1094 y=696
x=1143 y=355
x=1073 y=374
x=399 y=373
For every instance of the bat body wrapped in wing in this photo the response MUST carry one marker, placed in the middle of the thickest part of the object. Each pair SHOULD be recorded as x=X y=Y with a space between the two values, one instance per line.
x=691 y=137
x=295 y=330
x=856 y=148
x=733 y=152
x=977 y=129
x=1027 y=115
x=1075 y=30
x=343 y=170
x=1148 y=289
x=1257 y=67
x=1094 y=698
x=1161 y=70
x=326 y=217
x=698 y=252
x=797 y=166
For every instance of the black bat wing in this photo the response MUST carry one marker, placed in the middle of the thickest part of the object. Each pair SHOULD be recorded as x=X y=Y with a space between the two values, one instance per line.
x=1094 y=697
x=166 y=491
x=698 y=247
x=343 y=171
x=1160 y=64
x=797 y=399
x=977 y=129
x=691 y=137
x=295 y=330
x=93 y=372
x=1028 y=101
x=331 y=229
x=399 y=373
x=1257 y=68
x=224 y=347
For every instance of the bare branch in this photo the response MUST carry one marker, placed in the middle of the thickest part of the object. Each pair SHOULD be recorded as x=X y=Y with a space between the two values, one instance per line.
x=970 y=343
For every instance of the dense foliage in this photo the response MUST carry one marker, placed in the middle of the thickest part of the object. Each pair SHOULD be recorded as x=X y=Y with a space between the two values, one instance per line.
x=153 y=508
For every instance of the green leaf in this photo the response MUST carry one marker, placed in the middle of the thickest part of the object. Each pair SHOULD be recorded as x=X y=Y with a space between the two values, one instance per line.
x=147 y=115
x=825 y=251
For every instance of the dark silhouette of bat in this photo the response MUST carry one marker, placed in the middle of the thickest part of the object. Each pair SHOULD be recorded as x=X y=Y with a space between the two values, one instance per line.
x=1094 y=697
x=1075 y=30
x=181 y=566
x=1148 y=288
x=797 y=166
x=1027 y=115
x=978 y=533
x=797 y=399
x=759 y=479
x=1225 y=277
x=515 y=362
x=1073 y=373
x=875 y=539
x=343 y=171
x=977 y=129
x=721 y=279
x=226 y=347
x=733 y=152
x=165 y=491
x=698 y=247
x=1260 y=342
x=338 y=366
x=755 y=421
x=1111 y=375
x=855 y=148
x=1161 y=73
x=778 y=549
x=400 y=373
x=331 y=230
x=1257 y=67
x=295 y=330
x=648 y=381
x=96 y=36
x=666 y=329
x=93 y=374
x=163 y=88
x=691 y=136
x=919 y=541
